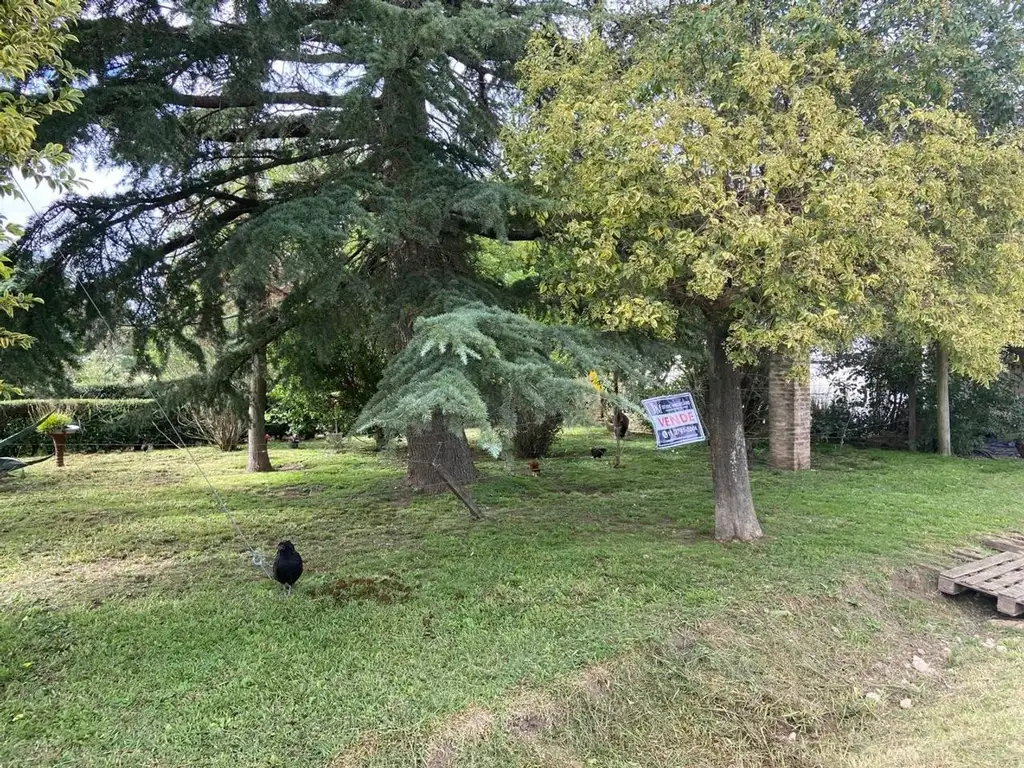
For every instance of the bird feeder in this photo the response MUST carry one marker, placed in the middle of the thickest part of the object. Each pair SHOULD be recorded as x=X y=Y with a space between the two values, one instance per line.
x=60 y=441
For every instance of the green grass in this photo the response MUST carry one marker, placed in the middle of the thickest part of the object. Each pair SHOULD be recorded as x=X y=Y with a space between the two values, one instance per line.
x=135 y=631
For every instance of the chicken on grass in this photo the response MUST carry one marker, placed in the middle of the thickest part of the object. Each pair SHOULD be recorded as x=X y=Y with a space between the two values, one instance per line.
x=287 y=565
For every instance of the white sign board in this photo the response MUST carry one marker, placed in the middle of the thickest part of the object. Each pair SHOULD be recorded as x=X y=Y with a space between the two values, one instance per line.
x=675 y=420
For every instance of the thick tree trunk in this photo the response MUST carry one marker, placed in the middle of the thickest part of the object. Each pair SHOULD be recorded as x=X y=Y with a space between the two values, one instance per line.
x=259 y=459
x=437 y=444
x=734 y=505
x=942 y=399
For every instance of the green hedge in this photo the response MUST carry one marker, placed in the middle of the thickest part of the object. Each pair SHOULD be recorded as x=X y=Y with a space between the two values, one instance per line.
x=107 y=425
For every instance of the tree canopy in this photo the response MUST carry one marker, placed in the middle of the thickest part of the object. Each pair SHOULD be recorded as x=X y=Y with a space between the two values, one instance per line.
x=696 y=166
x=35 y=84
x=964 y=247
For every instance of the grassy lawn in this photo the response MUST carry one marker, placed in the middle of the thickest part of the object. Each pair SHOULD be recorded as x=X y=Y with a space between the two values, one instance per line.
x=590 y=620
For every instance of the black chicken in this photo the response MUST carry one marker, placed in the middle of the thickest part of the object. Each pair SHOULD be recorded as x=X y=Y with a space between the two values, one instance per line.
x=597 y=452
x=287 y=565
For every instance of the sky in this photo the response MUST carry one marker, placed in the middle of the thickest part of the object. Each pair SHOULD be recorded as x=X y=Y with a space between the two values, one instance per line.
x=38 y=197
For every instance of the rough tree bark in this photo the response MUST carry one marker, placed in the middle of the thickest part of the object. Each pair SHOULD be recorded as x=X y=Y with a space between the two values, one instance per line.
x=734 y=505
x=942 y=399
x=259 y=459
x=437 y=444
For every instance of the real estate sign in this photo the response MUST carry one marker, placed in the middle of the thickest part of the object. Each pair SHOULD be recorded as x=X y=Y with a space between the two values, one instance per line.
x=675 y=420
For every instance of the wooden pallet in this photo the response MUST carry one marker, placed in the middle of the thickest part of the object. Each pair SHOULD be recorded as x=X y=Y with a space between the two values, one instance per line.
x=1001 y=576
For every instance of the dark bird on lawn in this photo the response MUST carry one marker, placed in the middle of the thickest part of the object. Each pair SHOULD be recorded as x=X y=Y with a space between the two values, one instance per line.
x=287 y=565
x=597 y=452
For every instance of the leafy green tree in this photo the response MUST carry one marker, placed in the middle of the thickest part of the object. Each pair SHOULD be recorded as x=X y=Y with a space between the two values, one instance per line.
x=964 y=57
x=32 y=33
x=743 y=191
x=34 y=84
x=484 y=367
x=323 y=381
x=964 y=207
x=342 y=153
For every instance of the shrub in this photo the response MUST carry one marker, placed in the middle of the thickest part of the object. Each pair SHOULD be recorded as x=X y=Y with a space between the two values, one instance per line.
x=220 y=427
x=533 y=437
x=106 y=424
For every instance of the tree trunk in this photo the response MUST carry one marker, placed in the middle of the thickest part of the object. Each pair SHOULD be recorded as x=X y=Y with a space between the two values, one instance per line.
x=913 y=437
x=734 y=505
x=942 y=399
x=437 y=444
x=259 y=459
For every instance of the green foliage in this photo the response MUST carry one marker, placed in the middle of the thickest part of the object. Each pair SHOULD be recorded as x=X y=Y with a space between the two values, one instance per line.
x=966 y=56
x=9 y=302
x=533 y=437
x=743 y=187
x=33 y=84
x=874 y=408
x=323 y=379
x=307 y=411
x=375 y=169
x=962 y=199
x=480 y=366
x=107 y=425
x=36 y=84
x=741 y=191
x=57 y=421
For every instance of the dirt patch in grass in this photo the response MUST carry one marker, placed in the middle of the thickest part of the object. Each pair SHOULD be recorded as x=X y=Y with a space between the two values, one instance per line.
x=464 y=729
x=530 y=716
x=384 y=590
x=358 y=753
x=92 y=583
x=294 y=491
x=774 y=683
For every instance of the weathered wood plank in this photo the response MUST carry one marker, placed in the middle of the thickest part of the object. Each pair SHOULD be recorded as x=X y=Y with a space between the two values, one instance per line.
x=1006 y=581
x=979 y=565
x=1015 y=592
x=1009 y=606
x=971 y=553
x=1004 y=544
x=997 y=575
x=948 y=586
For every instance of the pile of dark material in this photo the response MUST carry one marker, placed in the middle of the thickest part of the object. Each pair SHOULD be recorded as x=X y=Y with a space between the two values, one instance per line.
x=1001 y=449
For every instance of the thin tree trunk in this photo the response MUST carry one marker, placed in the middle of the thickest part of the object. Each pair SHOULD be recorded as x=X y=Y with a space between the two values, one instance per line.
x=616 y=415
x=259 y=459
x=734 y=505
x=913 y=437
x=942 y=399
x=437 y=444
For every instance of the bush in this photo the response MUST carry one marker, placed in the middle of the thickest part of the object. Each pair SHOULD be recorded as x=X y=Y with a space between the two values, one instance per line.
x=873 y=409
x=533 y=437
x=113 y=391
x=222 y=428
x=106 y=424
